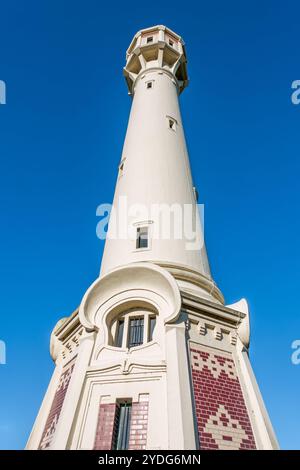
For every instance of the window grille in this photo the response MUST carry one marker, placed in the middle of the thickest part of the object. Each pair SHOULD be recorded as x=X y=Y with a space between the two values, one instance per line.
x=122 y=426
x=136 y=332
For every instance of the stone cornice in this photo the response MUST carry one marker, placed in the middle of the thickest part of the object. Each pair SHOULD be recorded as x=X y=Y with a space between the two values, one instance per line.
x=67 y=325
x=214 y=310
x=185 y=273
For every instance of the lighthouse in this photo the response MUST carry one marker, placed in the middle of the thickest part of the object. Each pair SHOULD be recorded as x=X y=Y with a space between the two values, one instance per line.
x=153 y=358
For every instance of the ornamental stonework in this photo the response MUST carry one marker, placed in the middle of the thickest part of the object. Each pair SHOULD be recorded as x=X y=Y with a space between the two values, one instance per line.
x=222 y=415
x=56 y=407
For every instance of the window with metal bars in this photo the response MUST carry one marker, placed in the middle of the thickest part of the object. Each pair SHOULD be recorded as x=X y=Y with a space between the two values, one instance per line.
x=133 y=328
x=135 y=332
x=142 y=237
x=152 y=324
x=122 y=426
x=120 y=330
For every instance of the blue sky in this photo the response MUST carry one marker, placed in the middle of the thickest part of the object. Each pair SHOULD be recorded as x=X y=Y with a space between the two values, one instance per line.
x=61 y=135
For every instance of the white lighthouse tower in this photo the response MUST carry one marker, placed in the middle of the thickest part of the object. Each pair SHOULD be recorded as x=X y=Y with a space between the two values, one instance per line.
x=153 y=359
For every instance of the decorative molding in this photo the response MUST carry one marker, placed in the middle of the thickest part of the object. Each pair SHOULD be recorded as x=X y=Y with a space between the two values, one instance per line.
x=233 y=338
x=201 y=328
x=133 y=284
x=185 y=273
x=65 y=338
x=70 y=346
x=195 y=305
x=218 y=333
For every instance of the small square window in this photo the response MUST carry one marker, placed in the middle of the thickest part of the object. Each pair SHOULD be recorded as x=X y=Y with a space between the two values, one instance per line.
x=149 y=39
x=149 y=85
x=196 y=193
x=121 y=167
x=142 y=237
x=171 y=42
x=172 y=124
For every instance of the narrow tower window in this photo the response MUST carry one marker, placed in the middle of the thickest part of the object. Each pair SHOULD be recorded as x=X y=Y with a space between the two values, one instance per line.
x=136 y=332
x=121 y=167
x=149 y=39
x=120 y=330
x=171 y=42
x=195 y=193
x=142 y=237
x=172 y=123
x=152 y=324
x=122 y=426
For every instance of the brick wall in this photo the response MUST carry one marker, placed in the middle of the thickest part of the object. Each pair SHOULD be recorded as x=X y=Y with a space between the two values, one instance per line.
x=222 y=416
x=56 y=406
x=139 y=425
x=105 y=426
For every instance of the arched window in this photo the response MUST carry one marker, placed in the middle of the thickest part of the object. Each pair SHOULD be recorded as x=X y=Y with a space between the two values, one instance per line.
x=133 y=328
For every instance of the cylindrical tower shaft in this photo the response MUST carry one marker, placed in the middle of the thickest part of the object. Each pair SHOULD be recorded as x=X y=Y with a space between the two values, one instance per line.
x=155 y=200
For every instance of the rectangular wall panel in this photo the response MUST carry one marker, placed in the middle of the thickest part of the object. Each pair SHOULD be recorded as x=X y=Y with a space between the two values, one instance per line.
x=56 y=406
x=222 y=416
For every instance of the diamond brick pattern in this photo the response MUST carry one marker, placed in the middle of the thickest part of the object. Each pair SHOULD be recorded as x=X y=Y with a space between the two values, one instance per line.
x=222 y=416
x=56 y=407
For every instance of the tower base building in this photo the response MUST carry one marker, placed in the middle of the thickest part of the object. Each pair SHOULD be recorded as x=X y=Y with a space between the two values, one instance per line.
x=153 y=358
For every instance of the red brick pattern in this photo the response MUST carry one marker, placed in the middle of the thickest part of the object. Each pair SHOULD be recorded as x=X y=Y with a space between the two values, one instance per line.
x=105 y=427
x=222 y=416
x=139 y=425
x=56 y=407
